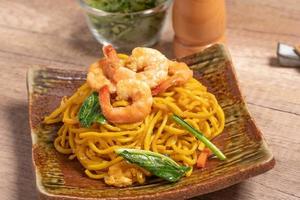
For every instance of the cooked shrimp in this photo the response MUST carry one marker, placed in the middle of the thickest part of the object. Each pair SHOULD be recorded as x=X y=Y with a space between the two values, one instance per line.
x=140 y=95
x=123 y=73
x=114 y=68
x=179 y=74
x=96 y=78
x=151 y=65
x=124 y=174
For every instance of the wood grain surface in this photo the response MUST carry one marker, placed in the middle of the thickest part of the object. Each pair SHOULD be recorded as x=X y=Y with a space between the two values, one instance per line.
x=54 y=33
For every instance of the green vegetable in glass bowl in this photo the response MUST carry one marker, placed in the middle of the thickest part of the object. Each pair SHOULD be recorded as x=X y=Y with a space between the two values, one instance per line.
x=124 y=6
x=126 y=24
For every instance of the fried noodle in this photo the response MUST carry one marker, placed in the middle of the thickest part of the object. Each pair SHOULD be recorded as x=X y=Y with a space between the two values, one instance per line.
x=94 y=147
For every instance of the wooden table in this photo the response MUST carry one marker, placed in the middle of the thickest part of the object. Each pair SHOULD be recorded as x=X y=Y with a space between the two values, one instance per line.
x=54 y=33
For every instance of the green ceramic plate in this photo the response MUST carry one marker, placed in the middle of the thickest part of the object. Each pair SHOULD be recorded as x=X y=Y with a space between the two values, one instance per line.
x=59 y=178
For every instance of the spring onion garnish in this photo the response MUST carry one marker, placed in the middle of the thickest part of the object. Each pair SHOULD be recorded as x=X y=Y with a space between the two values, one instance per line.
x=156 y=163
x=199 y=136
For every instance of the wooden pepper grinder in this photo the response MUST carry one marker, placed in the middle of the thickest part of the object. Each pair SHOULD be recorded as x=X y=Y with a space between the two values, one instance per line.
x=197 y=25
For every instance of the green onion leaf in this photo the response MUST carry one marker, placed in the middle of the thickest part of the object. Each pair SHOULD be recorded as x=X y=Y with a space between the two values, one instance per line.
x=199 y=136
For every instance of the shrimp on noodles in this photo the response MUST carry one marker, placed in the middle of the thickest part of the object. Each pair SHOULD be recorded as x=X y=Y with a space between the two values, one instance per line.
x=151 y=65
x=106 y=134
x=140 y=95
x=114 y=68
x=96 y=78
x=179 y=73
x=108 y=71
x=125 y=174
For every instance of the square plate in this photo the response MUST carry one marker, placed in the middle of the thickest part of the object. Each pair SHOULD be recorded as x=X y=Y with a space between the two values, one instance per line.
x=59 y=178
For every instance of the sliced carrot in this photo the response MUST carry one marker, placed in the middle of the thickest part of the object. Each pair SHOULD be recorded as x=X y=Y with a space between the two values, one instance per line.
x=208 y=151
x=202 y=158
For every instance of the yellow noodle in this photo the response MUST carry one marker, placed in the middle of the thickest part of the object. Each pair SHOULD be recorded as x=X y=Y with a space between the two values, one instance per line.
x=80 y=92
x=120 y=103
x=150 y=130
x=104 y=165
x=59 y=148
x=171 y=141
x=94 y=176
x=94 y=147
x=63 y=136
x=158 y=133
x=185 y=152
x=71 y=141
x=173 y=130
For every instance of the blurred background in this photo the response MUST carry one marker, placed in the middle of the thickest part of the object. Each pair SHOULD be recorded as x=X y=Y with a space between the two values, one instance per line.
x=49 y=29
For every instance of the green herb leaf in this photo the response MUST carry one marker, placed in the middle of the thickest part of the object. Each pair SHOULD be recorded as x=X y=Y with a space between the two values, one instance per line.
x=90 y=111
x=157 y=164
x=199 y=136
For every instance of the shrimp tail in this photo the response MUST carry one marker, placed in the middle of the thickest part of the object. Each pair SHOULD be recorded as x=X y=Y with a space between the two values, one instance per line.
x=104 y=99
x=110 y=52
x=162 y=87
x=111 y=62
x=180 y=74
x=174 y=80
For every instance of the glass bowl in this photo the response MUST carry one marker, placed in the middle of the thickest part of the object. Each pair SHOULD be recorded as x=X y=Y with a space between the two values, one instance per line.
x=126 y=30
